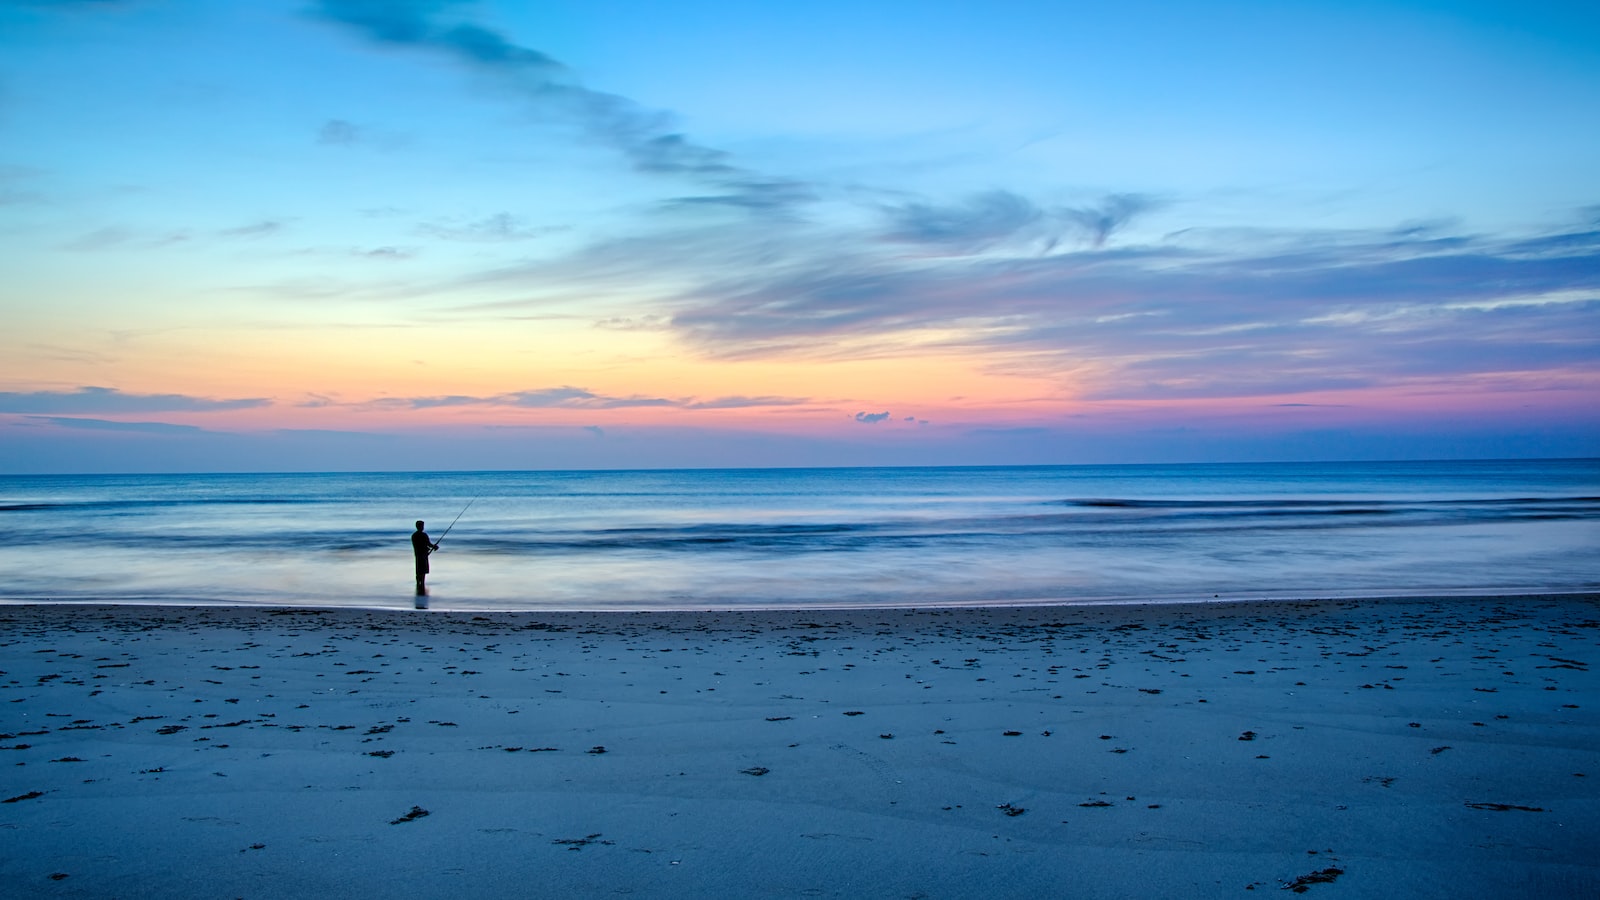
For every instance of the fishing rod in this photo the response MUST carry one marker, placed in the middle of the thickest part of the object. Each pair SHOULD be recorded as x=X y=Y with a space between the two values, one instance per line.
x=456 y=519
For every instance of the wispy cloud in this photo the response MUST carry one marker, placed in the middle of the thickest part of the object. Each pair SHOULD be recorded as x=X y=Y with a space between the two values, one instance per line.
x=332 y=433
x=745 y=402
x=339 y=133
x=386 y=253
x=1004 y=217
x=254 y=230
x=109 y=425
x=576 y=398
x=1192 y=316
x=1109 y=215
x=1037 y=287
x=544 y=398
x=75 y=4
x=16 y=181
x=111 y=400
x=644 y=137
x=982 y=220
x=498 y=227
x=114 y=237
x=567 y=397
x=1078 y=292
x=126 y=237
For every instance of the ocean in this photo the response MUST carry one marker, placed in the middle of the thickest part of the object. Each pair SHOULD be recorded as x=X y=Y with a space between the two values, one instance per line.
x=742 y=538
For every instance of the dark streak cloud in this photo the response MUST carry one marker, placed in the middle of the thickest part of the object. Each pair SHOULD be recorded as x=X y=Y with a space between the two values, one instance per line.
x=568 y=397
x=1110 y=214
x=120 y=237
x=634 y=323
x=1000 y=217
x=254 y=230
x=331 y=433
x=75 y=4
x=14 y=179
x=646 y=138
x=565 y=397
x=498 y=227
x=772 y=195
x=387 y=253
x=573 y=397
x=745 y=402
x=339 y=133
x=108 y=425
x=116 y=237
x=982 y=220
x=111 y=400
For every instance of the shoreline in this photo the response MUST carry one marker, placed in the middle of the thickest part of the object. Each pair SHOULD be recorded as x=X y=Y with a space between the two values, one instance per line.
x=1130 y=602
x=1421 y=746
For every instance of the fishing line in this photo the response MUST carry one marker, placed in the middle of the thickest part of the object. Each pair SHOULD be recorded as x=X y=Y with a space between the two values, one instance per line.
x=457 y=518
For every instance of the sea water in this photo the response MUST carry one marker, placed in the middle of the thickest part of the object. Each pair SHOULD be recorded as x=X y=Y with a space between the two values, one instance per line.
x=709 y=539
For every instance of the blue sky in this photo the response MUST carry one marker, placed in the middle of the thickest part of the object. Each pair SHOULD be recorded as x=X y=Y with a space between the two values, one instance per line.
x=346 y=234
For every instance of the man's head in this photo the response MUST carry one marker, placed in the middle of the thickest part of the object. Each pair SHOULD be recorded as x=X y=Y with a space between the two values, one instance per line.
x=419 y=524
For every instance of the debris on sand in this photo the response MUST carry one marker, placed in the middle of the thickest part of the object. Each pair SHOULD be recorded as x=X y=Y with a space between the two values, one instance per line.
x=1304 y=882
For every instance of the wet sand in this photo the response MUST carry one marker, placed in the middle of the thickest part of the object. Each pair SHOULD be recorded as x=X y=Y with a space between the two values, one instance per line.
x=1442 y=747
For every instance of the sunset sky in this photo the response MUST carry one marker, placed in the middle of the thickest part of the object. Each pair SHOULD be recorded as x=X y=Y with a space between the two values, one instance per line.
x=421 y=234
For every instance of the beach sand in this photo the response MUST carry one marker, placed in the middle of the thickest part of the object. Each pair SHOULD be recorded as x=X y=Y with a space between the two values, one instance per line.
x=1443 y=747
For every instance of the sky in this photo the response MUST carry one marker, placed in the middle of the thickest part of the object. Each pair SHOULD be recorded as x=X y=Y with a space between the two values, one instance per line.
x=291 y=235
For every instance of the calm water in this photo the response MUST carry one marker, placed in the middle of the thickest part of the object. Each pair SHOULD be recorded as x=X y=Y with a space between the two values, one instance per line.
x=741 y=538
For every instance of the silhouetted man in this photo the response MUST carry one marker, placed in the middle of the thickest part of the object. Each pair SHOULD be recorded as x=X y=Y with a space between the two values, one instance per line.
x=421 y=546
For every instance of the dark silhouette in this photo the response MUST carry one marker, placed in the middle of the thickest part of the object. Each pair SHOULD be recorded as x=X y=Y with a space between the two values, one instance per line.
x=421 y=546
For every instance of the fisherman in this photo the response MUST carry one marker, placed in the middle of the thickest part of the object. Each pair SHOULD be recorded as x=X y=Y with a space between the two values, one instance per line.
x=421 y=546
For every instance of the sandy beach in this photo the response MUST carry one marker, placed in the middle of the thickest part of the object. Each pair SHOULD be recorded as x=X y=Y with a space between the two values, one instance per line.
x=1444 y=747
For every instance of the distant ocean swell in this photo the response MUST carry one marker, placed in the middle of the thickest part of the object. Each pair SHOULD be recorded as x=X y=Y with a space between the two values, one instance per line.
x=810 y=537
x=1149 y=517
